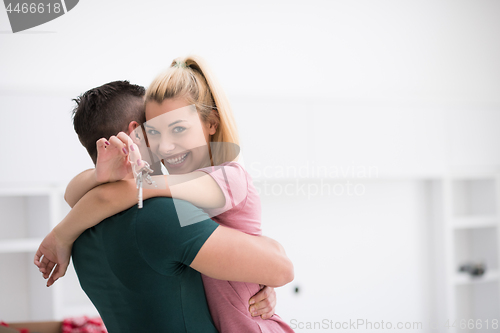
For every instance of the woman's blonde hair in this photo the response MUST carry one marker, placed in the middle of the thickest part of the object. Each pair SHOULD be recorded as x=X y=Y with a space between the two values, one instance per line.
x=191 y=79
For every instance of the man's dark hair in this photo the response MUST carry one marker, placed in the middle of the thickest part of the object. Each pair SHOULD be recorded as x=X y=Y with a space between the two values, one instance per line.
x=107 y=110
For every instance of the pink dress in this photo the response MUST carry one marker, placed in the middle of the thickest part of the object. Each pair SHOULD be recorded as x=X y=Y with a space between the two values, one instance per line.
x=228 y=300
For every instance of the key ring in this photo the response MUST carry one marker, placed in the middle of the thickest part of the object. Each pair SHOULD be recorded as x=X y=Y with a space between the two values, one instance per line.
x=140 y=174
x=144 y=169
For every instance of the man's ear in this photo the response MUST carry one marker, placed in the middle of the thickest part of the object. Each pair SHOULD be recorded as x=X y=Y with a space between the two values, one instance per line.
x=132 y=126
x=135 y=132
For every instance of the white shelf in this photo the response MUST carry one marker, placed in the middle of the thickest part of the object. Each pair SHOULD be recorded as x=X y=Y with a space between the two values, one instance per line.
x=484 y=173
x=25 y=191
x=474 y=197
x=465 y=278
x=470 y=234
x=470 y=222
x=20 y=245
x=29 y=211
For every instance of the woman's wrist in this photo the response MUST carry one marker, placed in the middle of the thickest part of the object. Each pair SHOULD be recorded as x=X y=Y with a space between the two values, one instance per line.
x=69 y=229
x=63 y=235
x=98 y=180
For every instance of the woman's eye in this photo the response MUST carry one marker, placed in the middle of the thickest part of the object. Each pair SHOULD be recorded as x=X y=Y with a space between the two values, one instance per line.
x=152 y=132
x=179 y=129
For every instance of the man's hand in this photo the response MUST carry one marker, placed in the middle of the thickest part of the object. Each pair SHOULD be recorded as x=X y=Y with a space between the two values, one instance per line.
x=53 y=253
x=263 y=303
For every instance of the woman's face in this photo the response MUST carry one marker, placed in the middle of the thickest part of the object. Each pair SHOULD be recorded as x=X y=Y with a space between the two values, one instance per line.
x=177 y=135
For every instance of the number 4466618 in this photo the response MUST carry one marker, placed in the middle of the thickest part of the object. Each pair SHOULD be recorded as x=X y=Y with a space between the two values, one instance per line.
x=473 y=324
x=34 y=8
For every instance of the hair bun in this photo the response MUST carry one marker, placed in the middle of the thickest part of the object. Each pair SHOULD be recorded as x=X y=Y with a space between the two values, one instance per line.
x=180 y=64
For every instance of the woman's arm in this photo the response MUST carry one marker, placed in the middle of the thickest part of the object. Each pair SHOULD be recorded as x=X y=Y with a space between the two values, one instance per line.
x=79 y=186
x=107 y=200
x=111 y=198
x=199 y=188
x=99 y=203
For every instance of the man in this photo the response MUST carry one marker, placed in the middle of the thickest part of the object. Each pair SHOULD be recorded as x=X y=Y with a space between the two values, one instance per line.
x=140 y=266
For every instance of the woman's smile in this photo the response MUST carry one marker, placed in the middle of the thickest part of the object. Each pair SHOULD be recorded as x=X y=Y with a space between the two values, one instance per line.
x=176 y=161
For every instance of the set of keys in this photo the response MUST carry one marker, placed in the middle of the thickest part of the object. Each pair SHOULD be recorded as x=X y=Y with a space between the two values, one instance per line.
x=141 y=175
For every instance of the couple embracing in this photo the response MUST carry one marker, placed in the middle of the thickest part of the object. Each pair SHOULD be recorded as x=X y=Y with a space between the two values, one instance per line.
x=193 y=258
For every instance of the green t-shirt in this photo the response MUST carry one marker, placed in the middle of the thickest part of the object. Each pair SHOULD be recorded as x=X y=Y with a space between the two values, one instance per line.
x=134 y=268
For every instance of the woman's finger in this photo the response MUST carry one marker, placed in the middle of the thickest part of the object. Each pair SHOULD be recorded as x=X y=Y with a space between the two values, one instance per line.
x=50 y=267
x=38 y=256
x=127 y=141
x=51 y=280
x=134 y=154
x=101 y=145
x=43 y=262
x=59 y=272
x=118 y=144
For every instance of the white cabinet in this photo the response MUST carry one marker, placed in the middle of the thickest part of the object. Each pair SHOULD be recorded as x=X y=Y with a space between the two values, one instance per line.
x=471 y=233
x=27 y=215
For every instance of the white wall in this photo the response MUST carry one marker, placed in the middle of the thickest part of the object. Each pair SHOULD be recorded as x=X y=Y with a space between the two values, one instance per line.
x=372 y=79
x=356 y=256
x=427 y=51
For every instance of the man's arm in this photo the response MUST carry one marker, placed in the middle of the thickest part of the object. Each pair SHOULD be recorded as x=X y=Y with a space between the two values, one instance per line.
x=231 y=255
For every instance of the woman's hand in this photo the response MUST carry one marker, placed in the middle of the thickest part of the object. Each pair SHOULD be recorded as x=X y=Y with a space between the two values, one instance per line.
x=263 y=303
x=112 y=165
x=112 y=160
x=53 y=252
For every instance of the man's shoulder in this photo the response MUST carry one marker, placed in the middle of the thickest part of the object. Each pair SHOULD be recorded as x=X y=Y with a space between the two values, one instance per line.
x=156 y=205
x=170 y=232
